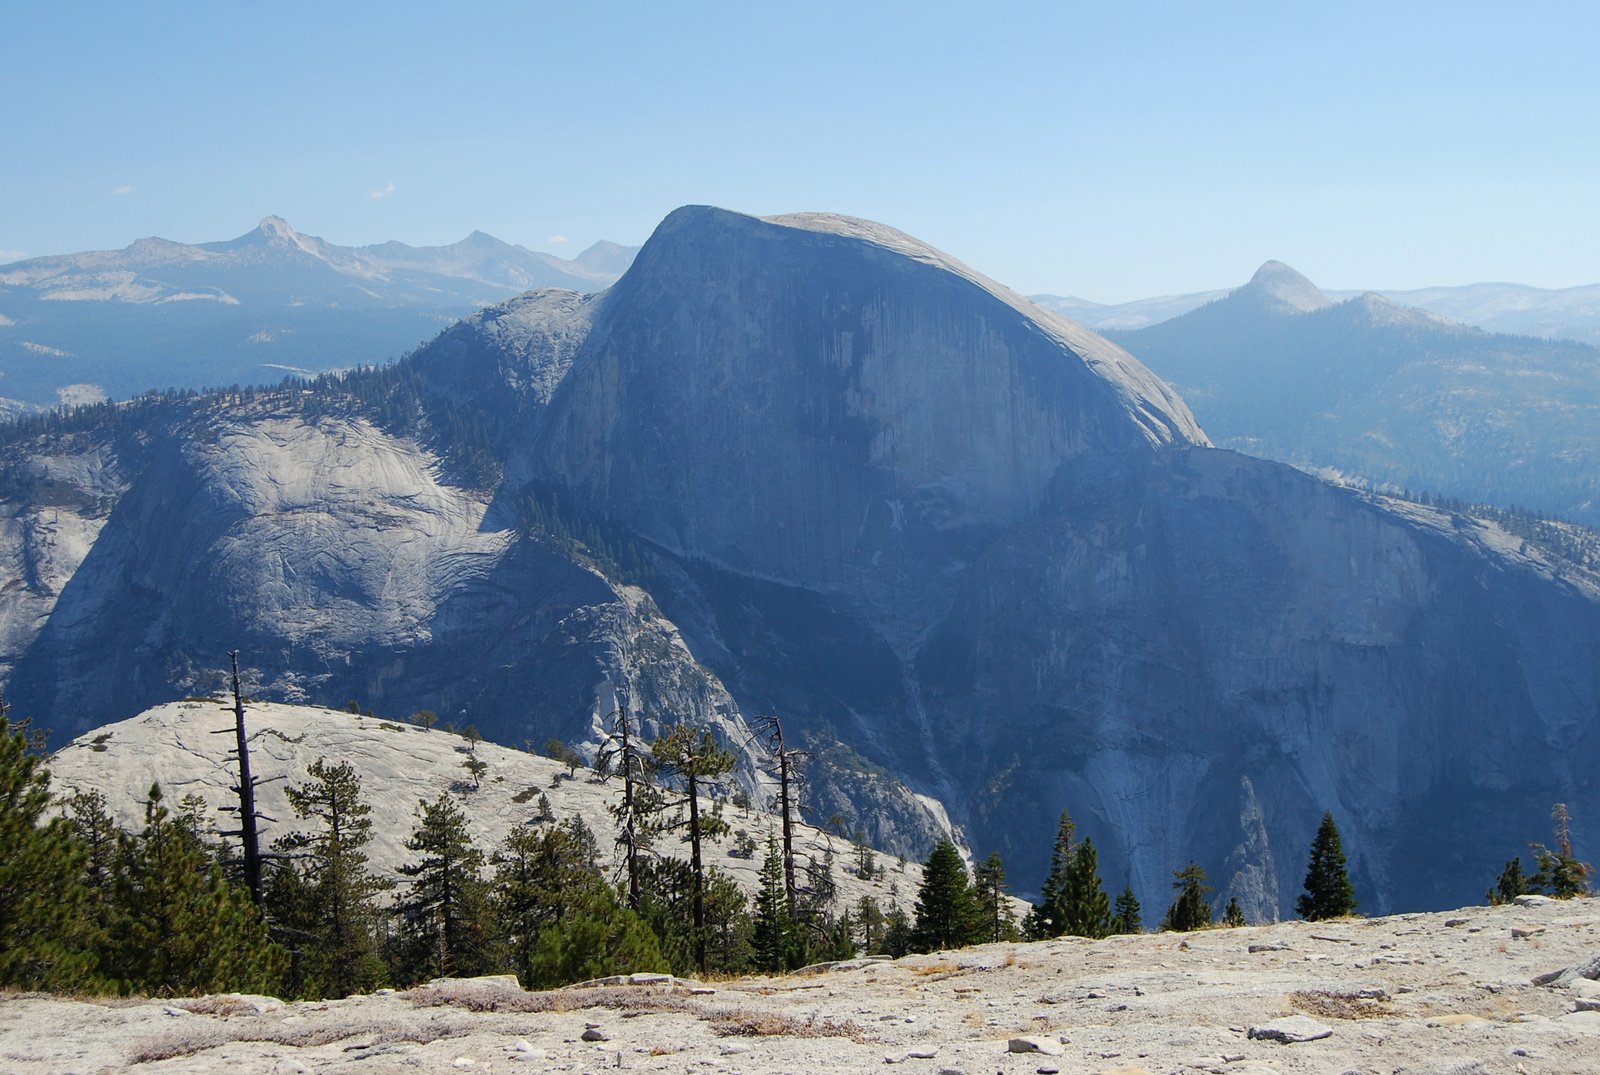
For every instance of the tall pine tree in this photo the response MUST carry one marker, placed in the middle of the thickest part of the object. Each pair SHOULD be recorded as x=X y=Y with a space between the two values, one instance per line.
x=442 y=932
x=1049 y=916
x=946 y=913
x=44 y=908
x=1125 y=916
x=1085 y=907
x=181 y=928
x=996 y=921
x=773 y=936
x=326 y=894
x=1329 y=893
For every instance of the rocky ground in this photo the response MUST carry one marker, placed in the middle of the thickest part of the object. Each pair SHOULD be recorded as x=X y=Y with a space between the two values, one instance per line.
x=1423 y=993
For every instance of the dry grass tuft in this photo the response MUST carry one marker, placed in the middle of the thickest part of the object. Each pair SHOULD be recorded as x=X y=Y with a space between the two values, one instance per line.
x=936 y=968
x=478 y=998
x=216 y=1005
x=741 y=1023
x=1339 y=1005
x=190 y=1040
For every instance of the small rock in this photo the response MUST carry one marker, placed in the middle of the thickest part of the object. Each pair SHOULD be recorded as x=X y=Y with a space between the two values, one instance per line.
x=1535 y=901
x=1532 y=931
x=595 y=1034
x=645 y=978
x=1269 y=948
x=734 y=1048
x=1047 y=1071
x=1291 y=1029
x=702 y=991
x=1035 y=1045
x=951 y=1071
x=1583 y=987
x=1587 y=1004
x=927 y=1052
x=463 y=1062
x=1456 y=921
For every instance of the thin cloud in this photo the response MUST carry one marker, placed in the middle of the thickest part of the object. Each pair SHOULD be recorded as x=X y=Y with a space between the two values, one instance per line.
x=12 y=255
x=384 y=193
x=556 y=239
x=123 y=190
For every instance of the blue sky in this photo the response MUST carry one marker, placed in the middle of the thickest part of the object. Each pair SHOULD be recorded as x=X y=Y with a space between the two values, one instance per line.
x=1109 y=151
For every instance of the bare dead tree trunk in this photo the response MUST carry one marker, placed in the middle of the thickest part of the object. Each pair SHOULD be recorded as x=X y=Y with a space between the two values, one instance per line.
x=248 y=835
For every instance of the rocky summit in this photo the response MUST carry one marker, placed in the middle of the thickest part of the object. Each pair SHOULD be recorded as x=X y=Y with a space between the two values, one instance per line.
x=970 y=552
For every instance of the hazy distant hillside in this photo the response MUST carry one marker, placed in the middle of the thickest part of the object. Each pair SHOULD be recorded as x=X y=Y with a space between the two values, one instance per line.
x=1395 y=395
x=1567 y=314
x=1126 y=315
x=1571 y=313
x=159 y=314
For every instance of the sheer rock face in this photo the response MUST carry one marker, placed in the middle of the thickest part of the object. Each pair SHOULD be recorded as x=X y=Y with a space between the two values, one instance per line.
x=966 y=548
x=828 y=403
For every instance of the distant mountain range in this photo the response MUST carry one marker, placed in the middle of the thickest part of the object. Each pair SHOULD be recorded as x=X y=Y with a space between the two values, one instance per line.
x=1568 y=313
x=1397 y=395
x=78 y=327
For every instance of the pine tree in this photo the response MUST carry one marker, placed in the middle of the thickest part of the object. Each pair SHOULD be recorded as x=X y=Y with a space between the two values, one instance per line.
x=1560 y=873
x=896 y=932
x=541 y=877
x=1329 y=893
x=1049 y=916
x=772 y=939
x=1191 y=910
x=1511 y=883
x=1085 y=907
x=332 y=900
x=996 y=921
x=694 y=756
x=44 y=908
x=946 y=913
x=1233 y=914
x=443 y=928
x=598 y=937
x=181 y=928
x=1125 y=917
x=871 y=923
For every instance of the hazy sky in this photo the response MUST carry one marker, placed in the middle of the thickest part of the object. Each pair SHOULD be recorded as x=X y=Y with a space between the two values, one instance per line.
x=1105 y=150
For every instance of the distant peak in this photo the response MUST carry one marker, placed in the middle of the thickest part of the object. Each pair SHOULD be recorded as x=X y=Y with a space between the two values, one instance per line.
x=1285 y=290
x=275 y=227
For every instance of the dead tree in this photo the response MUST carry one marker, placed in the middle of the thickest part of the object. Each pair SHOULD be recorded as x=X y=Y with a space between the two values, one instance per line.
x=629 y=836
x=249 y=836
x=784 y=766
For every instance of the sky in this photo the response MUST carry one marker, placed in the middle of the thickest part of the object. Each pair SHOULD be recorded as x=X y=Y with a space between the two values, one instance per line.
x=1109 y=151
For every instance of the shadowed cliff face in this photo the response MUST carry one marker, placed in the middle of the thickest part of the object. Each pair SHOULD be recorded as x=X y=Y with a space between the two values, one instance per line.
x=963 y=546
x=1163 y=630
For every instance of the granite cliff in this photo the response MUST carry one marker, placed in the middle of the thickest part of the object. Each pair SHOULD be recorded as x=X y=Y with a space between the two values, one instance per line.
x=974 y=554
